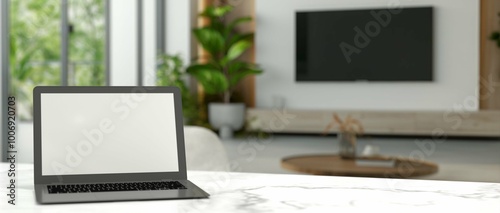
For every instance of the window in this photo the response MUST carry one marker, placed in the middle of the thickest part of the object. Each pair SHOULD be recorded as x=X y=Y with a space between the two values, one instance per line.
x=34 y=54
x=54 y=42
x=84 y=43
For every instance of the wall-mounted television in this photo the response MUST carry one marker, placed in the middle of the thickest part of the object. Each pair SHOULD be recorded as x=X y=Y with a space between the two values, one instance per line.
x=365 y=45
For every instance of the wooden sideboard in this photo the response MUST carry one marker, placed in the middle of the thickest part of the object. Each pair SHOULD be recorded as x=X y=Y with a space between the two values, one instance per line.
x=424 y=123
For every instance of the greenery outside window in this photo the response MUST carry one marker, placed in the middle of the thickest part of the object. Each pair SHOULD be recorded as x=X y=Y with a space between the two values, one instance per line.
x=36 y=44
x=86 y=43
x=34 y=49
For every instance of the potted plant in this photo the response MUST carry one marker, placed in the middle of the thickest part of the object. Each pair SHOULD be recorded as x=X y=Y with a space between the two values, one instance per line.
x=349 y=128
x=170 y=72
x=221 y=71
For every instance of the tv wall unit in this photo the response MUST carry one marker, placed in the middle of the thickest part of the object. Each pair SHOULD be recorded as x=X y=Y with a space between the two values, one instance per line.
x=455 y=61
x=409 y=123
x=274 y=50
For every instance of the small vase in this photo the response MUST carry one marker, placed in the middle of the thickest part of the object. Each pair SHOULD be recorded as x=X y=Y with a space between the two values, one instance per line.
x=226 y=117
x=347 y=144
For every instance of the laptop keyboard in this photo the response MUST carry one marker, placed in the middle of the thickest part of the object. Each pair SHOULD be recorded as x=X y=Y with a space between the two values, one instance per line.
x=114 y=187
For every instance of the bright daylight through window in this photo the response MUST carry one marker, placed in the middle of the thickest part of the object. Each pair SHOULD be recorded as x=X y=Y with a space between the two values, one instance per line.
x=37 y=43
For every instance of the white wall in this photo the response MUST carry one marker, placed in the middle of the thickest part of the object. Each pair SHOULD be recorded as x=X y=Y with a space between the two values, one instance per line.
x=124 y=61
x=178 y=28
x=456 y=61
x=123 y=44
x=149 y=42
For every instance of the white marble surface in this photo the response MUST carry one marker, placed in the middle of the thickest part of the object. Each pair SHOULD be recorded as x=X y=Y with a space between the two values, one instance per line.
x=250 y=192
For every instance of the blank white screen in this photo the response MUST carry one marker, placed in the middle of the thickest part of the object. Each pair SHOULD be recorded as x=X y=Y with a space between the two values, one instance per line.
x=108 y=133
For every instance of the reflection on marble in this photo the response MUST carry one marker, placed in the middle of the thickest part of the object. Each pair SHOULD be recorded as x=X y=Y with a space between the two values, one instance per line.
x=249 y=192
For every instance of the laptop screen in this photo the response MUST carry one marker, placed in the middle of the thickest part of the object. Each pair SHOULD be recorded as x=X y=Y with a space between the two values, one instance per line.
x=108 y=133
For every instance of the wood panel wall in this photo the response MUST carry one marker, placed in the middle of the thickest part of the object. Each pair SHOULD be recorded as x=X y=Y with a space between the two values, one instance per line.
x=246 y=8
x=489 y=56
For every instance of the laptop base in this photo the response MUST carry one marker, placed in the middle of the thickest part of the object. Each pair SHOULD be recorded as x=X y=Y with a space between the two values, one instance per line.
x=192 y=192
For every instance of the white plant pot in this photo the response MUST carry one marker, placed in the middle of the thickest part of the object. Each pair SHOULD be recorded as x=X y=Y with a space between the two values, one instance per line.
x=226 y=117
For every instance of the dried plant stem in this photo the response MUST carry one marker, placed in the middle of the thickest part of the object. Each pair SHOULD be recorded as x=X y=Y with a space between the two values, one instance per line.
x=349 y=125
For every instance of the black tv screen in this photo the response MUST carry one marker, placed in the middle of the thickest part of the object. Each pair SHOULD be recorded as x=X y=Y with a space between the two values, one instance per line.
x=365 y=45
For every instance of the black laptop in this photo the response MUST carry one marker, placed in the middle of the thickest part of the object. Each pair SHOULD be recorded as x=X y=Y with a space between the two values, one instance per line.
x=95 y=144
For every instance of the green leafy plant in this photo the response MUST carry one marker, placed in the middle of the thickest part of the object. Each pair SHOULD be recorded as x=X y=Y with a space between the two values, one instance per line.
x=222 y=71
x=170 y=72
x=495 y=36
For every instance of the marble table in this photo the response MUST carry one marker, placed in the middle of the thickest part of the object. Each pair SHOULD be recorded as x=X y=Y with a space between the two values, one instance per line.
x=250 y=192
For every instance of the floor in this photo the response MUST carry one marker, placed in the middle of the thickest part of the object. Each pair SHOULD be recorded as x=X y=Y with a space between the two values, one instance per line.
x=458 y=159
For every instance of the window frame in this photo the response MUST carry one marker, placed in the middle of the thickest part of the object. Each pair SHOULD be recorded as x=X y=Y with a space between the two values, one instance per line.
x=4 y=71
x=64 y=26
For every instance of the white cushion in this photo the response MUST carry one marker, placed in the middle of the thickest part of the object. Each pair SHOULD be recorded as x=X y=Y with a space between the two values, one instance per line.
x=204 y=150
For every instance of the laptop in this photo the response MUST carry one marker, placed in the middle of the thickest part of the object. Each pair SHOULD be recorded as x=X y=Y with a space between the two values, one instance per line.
x=94 y=144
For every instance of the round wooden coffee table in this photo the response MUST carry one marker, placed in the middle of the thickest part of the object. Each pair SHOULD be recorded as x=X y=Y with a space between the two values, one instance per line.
x=335 y=165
